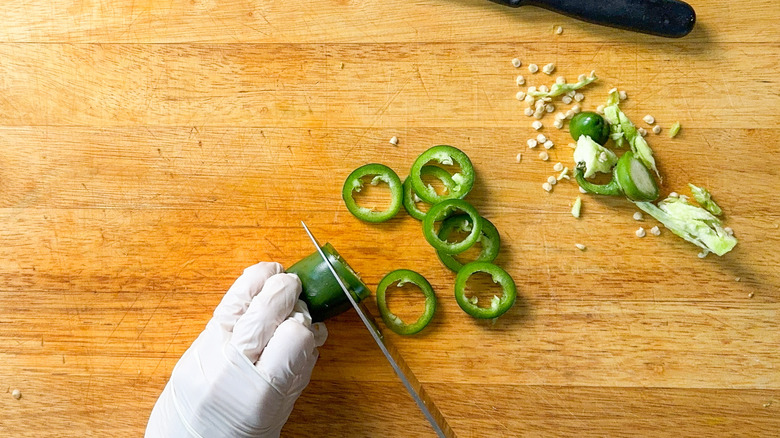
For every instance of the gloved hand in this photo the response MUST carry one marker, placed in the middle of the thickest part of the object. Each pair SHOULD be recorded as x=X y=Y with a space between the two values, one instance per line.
x=242 y=375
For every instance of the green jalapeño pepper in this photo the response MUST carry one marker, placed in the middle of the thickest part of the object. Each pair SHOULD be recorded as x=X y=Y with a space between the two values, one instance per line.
x=629 y=177
x=441 y=211
x=353 y=183
x=409 y=195
x=393 y=322
x=446 y=155
x=321 y=292
x=491 y=240
x=498 y=306
x=590 y=124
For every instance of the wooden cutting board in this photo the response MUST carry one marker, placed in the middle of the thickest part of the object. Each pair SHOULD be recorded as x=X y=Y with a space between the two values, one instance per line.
x=149 y=151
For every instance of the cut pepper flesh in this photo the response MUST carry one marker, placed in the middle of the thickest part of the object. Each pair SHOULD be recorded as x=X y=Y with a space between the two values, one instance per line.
x=498 y=305
x=393 y=322
x=446 y=155
x=320 y=290
x=410 y=204
x=490 y=239
x=354 y=183
x=443 y=210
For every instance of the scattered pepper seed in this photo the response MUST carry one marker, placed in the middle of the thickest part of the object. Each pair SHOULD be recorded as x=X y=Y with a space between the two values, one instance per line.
x=564 y=174
x=570 y=114
x=703 y=254
x=558 y=123
x=394 y=141
x=516 y=62
x=577 y=207
x=548 y=144
x=529 y=99
x=642 y=131
x=549 y=68
x=541 y=138
x=655 y=231
x=546 y=186
x=559 y=30
x=519 y=157
x=622 y=95
x=520 y=80
x=544 y=155
x=738 y=279
x=560 y=80
x=576 y=109
x=729 y=231
x=649 y=119
x=520 y=95
x=638 y=216
x=674 y=130
x=533 y=68
x=579 y=97
x=549 y=108
x=558 y=167
x=580 y=246
x=531 y=143
x=612 y=91
x=529 y=111
x=750 y=295
x=552 y=180
x=656 y=129
x=537 y=125
x=566 y=99
x=16 y=394
x=640 y=232
x=600 y=109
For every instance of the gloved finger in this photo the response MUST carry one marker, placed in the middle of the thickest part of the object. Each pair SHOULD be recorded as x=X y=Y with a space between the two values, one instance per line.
x=320 y=333
x=266 y=312
x=289 y=354
x=236 y=300
x=301 y=314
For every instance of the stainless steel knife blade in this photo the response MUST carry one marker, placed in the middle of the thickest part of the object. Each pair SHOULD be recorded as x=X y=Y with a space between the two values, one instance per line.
x=424 y=402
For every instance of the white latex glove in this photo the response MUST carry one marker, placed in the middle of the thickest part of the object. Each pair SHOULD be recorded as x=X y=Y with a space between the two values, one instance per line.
x=242 y=375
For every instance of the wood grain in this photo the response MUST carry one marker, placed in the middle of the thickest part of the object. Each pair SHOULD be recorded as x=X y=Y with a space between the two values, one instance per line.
x=150 y=150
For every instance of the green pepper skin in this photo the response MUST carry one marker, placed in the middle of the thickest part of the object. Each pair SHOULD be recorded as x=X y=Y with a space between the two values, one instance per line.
x=443 y=154
x=353 y=183
x=491 y=240
x=590 y=124
x=441 y=211
x=624 y=177
x=394 y=323
x=498 y=306
x=320 y=290
x=408 y=201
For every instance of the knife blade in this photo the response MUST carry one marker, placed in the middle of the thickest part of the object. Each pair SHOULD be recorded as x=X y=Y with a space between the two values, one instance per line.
x=402 y=370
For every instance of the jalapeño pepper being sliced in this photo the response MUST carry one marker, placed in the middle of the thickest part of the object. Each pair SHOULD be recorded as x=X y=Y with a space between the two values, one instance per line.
x=409 y=202
x=629 y=177
x=447 y=155
x=393 y=322
x=498 y=306
x=321 y=292
x=491 y=240
x=441 y=211
x=353 y=183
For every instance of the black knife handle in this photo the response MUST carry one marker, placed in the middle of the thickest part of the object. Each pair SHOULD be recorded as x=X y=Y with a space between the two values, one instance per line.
x=667 y=18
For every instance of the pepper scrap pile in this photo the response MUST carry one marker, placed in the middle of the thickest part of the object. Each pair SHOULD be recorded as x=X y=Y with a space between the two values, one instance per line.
x=455 y=215
x=632 y=177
